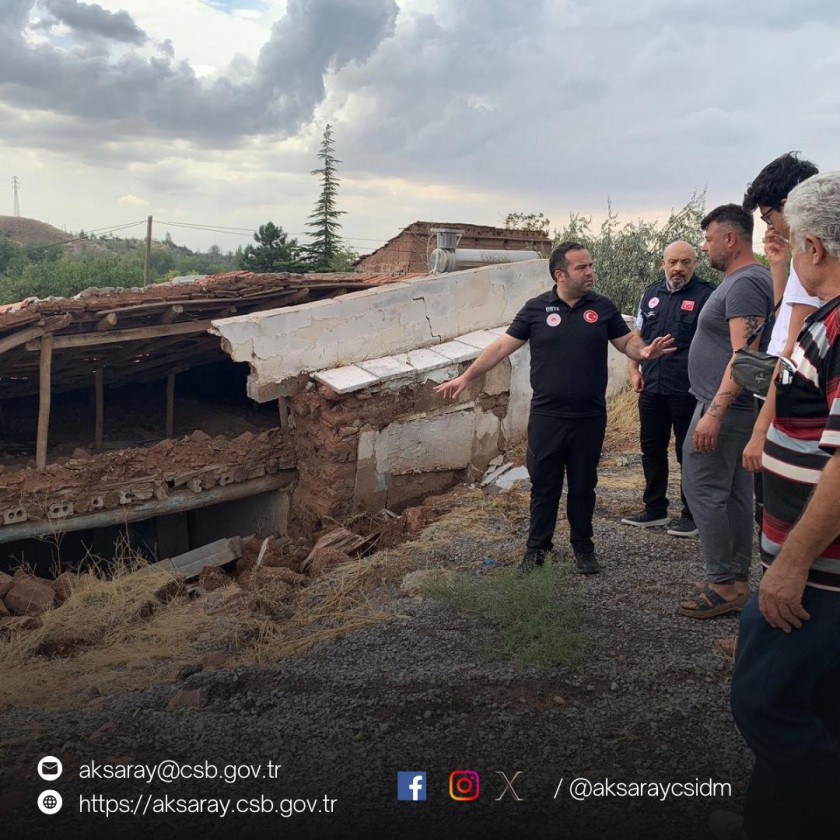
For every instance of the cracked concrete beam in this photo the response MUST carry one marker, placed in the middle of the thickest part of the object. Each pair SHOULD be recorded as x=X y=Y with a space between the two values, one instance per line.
x=395 y=318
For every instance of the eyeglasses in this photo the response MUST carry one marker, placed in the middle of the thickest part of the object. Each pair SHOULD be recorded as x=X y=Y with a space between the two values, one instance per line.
x=765 y=217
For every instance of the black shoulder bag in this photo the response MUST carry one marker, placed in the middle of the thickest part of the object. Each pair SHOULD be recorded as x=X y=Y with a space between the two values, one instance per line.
x=753 y=369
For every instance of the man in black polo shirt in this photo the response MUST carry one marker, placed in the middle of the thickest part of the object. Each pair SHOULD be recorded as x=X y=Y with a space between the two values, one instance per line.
x=669 y=306
x=569 y=328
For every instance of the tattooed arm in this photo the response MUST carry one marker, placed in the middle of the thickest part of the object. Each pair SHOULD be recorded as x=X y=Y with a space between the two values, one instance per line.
x=706 y=433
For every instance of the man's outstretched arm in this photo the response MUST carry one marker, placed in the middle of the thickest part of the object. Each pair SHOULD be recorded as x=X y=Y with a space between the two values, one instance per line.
x=490 y=356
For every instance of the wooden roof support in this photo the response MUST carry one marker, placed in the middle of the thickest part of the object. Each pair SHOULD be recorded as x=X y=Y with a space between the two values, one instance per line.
x=99 y=388
x=45 y=394
x=116 y=336
x=108 y=322
x=178 y=501
x=170 y=404
x=172 y=313
x=32 y=334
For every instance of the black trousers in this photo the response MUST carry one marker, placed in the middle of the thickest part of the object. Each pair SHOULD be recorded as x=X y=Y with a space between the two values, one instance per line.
x=560 y=448
x=658 y=415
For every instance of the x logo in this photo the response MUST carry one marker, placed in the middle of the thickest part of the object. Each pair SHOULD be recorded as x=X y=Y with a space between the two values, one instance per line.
x=509 y=786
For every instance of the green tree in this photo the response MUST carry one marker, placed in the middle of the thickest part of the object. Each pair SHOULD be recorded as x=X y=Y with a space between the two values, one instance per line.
x=274 y=251
x=527 y=221
x=628 y=256
x=323 y=220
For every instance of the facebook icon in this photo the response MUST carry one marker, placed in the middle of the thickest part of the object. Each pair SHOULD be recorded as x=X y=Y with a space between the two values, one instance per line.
x=411 y=785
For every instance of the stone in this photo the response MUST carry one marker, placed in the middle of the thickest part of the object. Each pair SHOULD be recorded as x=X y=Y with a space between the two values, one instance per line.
x=322 y=560
x=29 y=596
x=65 y=584
x=190 y=698
x=5 y=583
x=214 y=659
x=416 y=519
x=213 y=578
x=4 y=612
x=186 y=671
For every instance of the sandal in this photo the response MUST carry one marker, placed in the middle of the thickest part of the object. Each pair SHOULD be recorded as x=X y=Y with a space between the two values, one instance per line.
x=708 y=604
x=727 y=647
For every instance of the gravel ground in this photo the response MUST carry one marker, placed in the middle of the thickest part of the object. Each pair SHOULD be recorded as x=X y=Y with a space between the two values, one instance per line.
x=649 y=703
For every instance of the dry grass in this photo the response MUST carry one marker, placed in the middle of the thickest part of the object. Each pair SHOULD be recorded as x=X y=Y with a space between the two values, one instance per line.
x=623 y=423
x=106 y=638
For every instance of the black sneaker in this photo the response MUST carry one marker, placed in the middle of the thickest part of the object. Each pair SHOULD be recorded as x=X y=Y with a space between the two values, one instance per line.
x=682 y=527
x=534 y=558
x=587 y=564
x=643 y=519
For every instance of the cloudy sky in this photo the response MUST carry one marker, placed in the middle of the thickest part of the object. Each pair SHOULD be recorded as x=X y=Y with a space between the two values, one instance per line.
x=210 y=112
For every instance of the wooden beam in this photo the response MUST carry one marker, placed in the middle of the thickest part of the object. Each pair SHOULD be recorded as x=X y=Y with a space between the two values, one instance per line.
x=99 y=388
x=45 y=385
x=190 y=564
x=172 y=313
x=108 y=322
x=115 y=337
x=177 y=502
x=31 y=334
x=170 y=404
x=283 y=408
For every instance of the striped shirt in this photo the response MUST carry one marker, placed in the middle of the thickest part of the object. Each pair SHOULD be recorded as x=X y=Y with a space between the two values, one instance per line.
x=804 y=435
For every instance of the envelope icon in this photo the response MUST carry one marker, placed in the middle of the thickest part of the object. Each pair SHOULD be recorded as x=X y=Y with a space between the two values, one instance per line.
x=49 y=768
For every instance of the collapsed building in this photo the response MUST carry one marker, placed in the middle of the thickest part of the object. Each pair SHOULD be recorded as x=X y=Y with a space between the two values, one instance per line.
x=242 y=404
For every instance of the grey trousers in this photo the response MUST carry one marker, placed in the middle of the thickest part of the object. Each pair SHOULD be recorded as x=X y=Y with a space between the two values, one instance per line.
x=720 y=494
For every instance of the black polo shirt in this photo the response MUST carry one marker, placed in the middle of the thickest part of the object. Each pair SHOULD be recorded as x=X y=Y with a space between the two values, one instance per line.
x=568 y=352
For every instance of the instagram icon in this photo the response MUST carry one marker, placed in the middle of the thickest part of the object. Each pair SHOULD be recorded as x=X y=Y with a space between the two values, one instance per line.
x=463 y=785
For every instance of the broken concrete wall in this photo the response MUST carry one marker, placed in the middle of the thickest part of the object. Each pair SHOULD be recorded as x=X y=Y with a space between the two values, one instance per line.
x=390 y=447
x=394 y=318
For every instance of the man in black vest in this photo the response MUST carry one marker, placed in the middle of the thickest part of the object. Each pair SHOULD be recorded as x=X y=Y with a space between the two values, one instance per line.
x=569 y=328
x=670 y=306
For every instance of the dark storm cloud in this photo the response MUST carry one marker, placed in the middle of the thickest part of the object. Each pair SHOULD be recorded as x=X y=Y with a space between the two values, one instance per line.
x=166 y=98
x=579 y=98
x=92 y=19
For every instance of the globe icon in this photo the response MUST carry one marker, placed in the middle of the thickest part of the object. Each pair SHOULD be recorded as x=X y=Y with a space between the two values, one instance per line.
x=50 y=801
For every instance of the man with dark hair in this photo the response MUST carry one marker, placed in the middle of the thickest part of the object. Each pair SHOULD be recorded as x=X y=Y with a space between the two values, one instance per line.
x=669 y=306
x=569 y=329
x=786 y=684
x=768 y=194
x=717 y=487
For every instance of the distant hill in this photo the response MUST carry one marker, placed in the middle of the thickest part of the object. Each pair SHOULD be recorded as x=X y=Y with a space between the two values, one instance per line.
x=31 y=232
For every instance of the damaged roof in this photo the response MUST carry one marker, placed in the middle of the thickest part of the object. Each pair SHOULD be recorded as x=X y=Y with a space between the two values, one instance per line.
x=145 y=333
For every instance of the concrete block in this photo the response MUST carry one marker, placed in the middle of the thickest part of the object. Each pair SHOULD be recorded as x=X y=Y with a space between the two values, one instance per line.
x=386 y=368
x=424 y=360
x=478 y=338
x=345 y=379
x=455 y=351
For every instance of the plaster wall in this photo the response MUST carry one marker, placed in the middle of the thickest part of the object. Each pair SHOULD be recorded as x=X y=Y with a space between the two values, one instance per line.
x=394 y=318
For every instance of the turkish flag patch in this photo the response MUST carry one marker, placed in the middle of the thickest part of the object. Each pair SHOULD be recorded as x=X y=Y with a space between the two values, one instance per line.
x=590 y=316
x=687 y=305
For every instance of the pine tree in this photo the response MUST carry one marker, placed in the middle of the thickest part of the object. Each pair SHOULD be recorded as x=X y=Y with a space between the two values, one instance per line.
x=326 y=242
x=274 y=251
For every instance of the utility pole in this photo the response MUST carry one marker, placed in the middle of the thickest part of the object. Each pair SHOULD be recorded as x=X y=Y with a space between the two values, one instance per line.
x=15 y=185
x=147 y=266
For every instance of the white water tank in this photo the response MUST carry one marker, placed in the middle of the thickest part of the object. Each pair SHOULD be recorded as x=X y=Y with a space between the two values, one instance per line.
x=443 y=260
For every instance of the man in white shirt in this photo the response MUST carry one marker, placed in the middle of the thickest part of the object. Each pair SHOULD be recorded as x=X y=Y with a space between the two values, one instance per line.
x=768 y=194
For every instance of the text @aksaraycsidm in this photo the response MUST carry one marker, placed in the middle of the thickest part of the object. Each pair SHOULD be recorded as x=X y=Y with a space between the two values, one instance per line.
x=581 y=789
